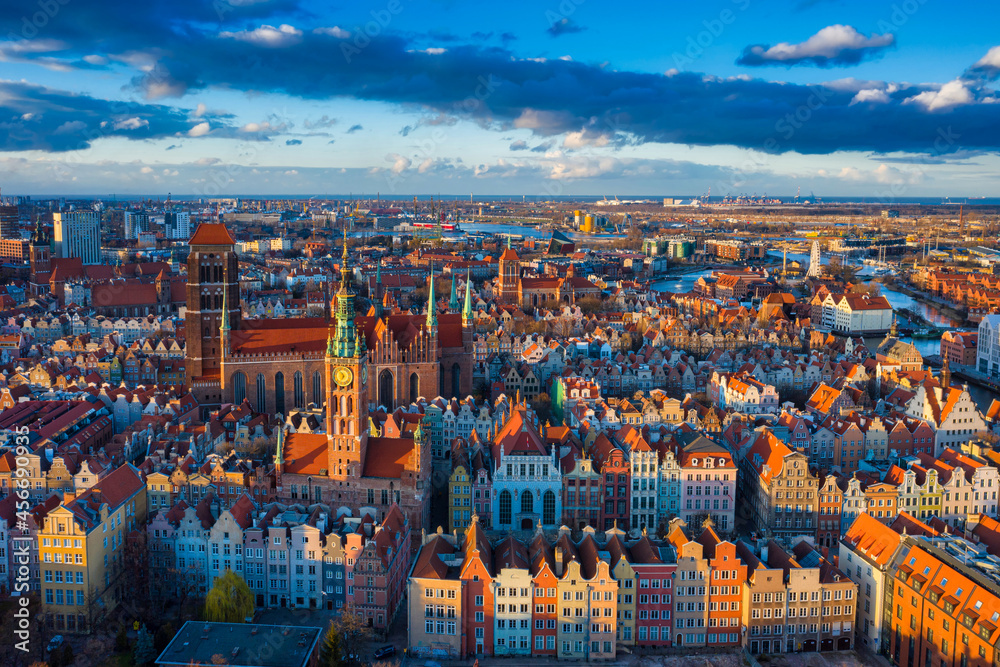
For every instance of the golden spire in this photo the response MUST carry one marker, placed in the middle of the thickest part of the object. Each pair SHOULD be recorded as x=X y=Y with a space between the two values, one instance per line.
x=344 y=271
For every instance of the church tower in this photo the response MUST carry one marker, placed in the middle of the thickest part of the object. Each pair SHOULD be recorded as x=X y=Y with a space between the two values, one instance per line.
x=510 y=276
x=346 y=371
x=213 y=289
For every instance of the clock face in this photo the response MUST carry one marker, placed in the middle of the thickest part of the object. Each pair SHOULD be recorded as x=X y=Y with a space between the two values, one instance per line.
x=343 y=376
x=364 y=374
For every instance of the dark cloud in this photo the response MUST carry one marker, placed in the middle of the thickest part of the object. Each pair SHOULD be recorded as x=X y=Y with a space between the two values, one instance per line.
x=542 y=147
x=564 y=26
x=519 y=145
x=38 y=118
x=498 y=89
x=833 y=46
x=357 y=128
x=172 y=147
x=293 y=142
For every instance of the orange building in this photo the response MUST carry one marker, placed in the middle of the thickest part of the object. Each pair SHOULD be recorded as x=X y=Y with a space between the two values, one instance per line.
x=943 y=611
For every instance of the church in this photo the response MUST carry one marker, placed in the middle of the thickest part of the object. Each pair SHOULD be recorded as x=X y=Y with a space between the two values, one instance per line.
x=545 y=291
x=278 y=364
x=353 y=364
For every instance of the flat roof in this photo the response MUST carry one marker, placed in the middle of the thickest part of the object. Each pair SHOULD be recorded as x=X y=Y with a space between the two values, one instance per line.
x=241 y=645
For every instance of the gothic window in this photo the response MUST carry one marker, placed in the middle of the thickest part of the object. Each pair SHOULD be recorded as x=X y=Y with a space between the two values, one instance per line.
x=414 y=388
x=527 y=502
x=317 y=394
x=279 y=393
x=239 y=386
x=261 y=393
x=300 y=397
x=386 y=390
x=456 y=380
x=505 y=508
x=548 y=508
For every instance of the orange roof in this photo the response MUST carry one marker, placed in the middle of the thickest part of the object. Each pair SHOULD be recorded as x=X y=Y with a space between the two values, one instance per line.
x=873 y=538
x=387 y=457
x=305 y=453
x=211 y=233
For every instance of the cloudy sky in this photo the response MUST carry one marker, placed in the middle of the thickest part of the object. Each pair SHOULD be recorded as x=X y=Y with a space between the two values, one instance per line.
x=874 y=99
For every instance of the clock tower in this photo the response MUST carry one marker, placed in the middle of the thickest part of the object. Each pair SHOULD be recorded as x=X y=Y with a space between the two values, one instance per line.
x=346 y=377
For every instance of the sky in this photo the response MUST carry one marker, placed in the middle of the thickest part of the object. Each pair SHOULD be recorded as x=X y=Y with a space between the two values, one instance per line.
x=870 y=99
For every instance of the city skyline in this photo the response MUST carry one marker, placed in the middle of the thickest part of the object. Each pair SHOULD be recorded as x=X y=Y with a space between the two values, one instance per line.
x=875 y=101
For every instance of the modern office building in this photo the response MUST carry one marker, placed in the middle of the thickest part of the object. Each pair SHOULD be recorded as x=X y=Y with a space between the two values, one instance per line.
x=78 y=234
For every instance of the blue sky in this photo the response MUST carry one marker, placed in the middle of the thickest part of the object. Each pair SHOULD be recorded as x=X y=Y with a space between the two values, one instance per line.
x=870 y=99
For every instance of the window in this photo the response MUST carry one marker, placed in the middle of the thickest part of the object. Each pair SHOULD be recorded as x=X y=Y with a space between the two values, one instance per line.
x=505 y=509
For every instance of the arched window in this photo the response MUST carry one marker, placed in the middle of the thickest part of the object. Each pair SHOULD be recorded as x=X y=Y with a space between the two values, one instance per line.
x=300 y=394
x=317 y=394
x=279 y=393
x=548 y=508
x=504 y=508
x=414 y=388
x=456 y=380
x=239 y=380
x=261 y=393
x=386 y=390
x=527 y=502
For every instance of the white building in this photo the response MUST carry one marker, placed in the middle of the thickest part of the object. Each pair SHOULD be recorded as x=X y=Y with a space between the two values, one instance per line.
x=135 y=223
x=859 y=314
x=177 y=224
x=988 y=351
x=78 y=234
x=513 y=599
x=951 y=412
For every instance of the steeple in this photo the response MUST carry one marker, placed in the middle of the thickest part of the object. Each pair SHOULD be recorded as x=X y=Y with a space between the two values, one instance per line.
x=377 y=298
x=345 y=338
x=453 y=304
x=432 y=320
x=945 y=374
x=224 y=327
x=467 y=310
x=279 y=457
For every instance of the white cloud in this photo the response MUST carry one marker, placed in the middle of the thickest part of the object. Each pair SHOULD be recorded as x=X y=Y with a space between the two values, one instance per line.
x=990 y=61
x=335 y=31
x=199 y=130
x=133 y=123
x=952 y=94
x=832 y=43
x=268 y=36
x=400 y=163
x=871 y=95
x=146 y=170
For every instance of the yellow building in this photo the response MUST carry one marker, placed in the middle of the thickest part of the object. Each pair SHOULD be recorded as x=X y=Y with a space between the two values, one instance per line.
x=81 y=550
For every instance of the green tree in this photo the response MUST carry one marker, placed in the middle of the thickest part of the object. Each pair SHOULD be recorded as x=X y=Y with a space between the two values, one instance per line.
x=331 y=655
x=145 y=652
x=230 y=600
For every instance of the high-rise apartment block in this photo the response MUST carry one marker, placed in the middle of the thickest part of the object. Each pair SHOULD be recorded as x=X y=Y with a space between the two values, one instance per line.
x=177 y=224
x=78 y=234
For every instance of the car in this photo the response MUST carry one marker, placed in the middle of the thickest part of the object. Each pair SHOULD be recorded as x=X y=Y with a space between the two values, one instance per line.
x=54 y=643
x=385 y=652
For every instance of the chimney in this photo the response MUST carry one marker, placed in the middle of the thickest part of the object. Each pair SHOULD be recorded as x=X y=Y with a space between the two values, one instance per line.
x=559 y=561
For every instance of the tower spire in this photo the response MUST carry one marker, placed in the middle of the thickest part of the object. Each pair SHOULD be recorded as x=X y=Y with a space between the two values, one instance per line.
x=431 y=303
x=377 y=301
x=467 y=310
x=453 y=303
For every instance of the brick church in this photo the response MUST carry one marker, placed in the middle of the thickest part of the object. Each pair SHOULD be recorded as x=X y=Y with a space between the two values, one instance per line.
x=546 y=291
x=353 y=364
x=279 y=364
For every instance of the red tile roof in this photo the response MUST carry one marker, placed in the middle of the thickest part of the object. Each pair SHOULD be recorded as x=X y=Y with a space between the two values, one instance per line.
x=211 y=233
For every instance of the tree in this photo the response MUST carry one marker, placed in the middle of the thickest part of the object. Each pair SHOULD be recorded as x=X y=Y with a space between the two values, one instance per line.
x=230 y=600
x=67 y=655
x=542 y=405
x=145 y=652
x=353 y=630
x=331 y=655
